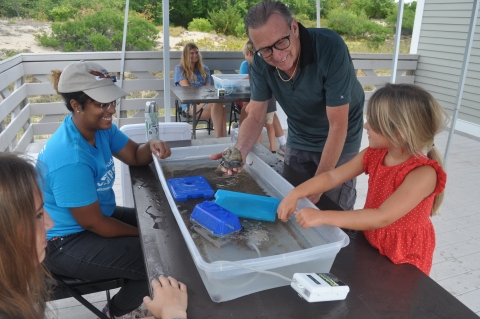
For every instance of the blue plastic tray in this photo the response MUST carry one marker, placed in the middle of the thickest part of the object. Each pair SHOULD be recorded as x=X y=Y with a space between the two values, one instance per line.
x=248 y=205
x=215 y=218
x=184 y=188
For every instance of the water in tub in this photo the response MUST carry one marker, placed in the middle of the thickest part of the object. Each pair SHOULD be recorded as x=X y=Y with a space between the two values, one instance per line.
x=257 y=238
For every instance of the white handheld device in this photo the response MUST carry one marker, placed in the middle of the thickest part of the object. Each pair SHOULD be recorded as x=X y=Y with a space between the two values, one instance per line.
x=315 y=287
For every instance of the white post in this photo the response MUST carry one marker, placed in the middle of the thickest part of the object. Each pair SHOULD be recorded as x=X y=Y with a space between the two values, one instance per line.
x=417 y=26
x=463 y=75
x=318 y=13
x=122 y=62
x=166 y=60
x=398 y=35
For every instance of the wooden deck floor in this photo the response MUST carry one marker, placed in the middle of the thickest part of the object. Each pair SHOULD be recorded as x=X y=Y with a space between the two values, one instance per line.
x=456 y=265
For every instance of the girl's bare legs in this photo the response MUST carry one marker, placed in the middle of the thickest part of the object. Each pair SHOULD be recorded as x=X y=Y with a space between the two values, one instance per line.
x=243 y=116
x=243 y=112
x=277 y=126
x=217 y=113
x=271 y=136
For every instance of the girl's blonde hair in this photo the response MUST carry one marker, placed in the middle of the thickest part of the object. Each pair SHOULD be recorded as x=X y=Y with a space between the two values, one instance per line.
x=23 y=286
x=248 y=47
x=186 y=63
x=409 y=117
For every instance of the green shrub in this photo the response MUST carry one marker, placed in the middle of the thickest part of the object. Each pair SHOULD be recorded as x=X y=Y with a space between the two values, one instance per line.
x=101 y=31
x=62 y=13
x=407 y=20
x=378 y=9
x=200 y=24
x=46 y=41
x=305 y=20
x=240 y=30
x=16 y=8
x=351 y=25
x=100 y=42
x=376 y=42
x=226 y=20
x=346 y=22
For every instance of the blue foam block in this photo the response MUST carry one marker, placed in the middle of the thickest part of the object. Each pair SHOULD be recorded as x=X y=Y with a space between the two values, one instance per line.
x=184 y=188
x=247 y=205
x=215 y=218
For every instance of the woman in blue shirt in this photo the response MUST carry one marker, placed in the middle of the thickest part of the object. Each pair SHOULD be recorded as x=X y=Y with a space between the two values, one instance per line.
x=93 y=238
x=192 y=72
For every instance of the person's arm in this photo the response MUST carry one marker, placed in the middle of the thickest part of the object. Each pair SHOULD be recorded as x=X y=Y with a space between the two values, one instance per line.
x=417 y=185
x=91 y=218
x=170 y=299
x=134 y=154
x=320 y=184
x=184 y=83
x=337 y=133
x=249 y=131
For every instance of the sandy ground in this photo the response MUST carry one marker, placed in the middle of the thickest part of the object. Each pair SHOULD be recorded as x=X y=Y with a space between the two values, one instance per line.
x=19 y=35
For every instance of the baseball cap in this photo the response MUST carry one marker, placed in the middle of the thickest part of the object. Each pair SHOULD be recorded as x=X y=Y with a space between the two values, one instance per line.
x=92 y=79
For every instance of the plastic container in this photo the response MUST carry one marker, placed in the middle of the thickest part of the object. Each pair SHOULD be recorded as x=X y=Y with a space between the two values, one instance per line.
x=216 y=219
x=293 y=250
x=136 y=132
x=232 y=83
x=184 y=188
x=151 y=120
x=247 y=205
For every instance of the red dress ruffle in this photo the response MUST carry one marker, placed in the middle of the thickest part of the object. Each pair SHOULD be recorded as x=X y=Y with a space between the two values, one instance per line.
x=410 y=239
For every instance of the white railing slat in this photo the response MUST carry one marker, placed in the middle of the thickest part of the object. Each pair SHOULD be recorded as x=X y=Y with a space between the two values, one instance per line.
x=12 y=101
x=48 y=108
x=140 y=64
x=11 y=75
x=9 y=134
x=24 y=141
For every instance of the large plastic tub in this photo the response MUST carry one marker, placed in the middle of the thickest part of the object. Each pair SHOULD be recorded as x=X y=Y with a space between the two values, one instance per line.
x=136 y=132
x=290 y=250
x=232 y=83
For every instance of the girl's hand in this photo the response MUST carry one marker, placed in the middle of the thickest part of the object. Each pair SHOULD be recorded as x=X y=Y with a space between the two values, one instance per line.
x=169 y=298
x=160 y=149
x=309 y=217
x=287 y=207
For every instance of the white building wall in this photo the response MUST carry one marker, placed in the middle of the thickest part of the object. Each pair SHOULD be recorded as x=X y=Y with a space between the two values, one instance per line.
x=441 y=45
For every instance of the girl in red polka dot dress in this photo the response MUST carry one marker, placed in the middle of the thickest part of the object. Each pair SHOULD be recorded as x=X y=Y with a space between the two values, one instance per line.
x=406 y=180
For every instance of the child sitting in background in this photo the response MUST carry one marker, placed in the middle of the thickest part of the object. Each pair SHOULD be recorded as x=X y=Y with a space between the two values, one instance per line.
x=272 y=123
x=405 y=186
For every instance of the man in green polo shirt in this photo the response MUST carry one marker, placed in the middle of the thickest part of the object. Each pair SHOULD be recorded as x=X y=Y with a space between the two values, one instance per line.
x=311 y=74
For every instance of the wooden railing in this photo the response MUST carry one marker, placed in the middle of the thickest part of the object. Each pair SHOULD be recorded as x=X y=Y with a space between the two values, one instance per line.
x=25 y=76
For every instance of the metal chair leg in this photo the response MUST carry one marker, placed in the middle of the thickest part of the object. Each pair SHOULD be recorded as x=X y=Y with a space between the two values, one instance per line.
x=109 y=304
x=234 y=113
x=82 y=300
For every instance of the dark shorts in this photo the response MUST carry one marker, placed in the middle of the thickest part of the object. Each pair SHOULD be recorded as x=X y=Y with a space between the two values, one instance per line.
x=300 y=166
x=272 y=105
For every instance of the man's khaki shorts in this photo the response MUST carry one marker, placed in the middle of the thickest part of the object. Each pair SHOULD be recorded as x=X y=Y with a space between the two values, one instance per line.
x=269 y=118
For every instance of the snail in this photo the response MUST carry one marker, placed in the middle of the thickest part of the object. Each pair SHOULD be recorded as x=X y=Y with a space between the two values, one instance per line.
x=231 y=158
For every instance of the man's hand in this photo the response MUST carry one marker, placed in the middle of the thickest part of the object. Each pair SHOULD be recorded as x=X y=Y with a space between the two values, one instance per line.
x=170 y=298
x=160 y=149
x=218 y=156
